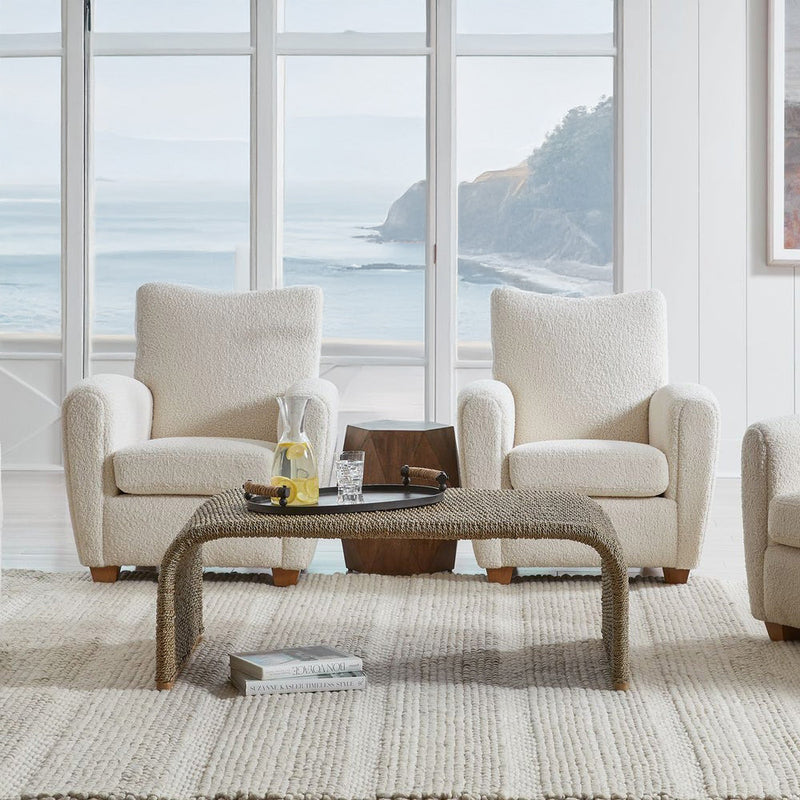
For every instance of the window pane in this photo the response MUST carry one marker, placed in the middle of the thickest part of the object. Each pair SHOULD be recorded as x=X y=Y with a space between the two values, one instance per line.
x=536 y=16
x=368 y=392
x=171 y=178
x=185 y=16
x=30 y=205
x=30 y=16
x=536 y=179
x=370 y=16
x=351 y=149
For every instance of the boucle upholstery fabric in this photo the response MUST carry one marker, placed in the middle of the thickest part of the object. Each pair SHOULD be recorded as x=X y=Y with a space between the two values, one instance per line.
x=485 y=434
x=108 y=413
x=194 y=465
x=142 y=528
x=647 y=529
x=580 y=368
x=99 y=416
x=684 y=425
x=783 y=524
x=770 y=469
x=473 y=691
x=782 y=585
x=594 y=467
x=592 y=346
x=214 y=361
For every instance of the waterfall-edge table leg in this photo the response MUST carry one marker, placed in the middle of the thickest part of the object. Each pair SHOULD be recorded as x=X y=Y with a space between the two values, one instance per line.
x=179 y=614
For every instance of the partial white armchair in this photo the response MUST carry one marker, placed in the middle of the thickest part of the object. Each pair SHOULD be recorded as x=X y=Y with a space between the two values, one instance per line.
x=199 y=416
x=580 y=402
x=771 y=516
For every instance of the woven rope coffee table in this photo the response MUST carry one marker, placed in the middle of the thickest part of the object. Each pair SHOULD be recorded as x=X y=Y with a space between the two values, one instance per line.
x=462 y=514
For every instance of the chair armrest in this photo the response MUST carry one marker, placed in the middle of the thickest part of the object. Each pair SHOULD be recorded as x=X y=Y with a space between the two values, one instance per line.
x=770 y=467
x=486 y=419
x=684 y=425
x=99 y=416
x=321 y=420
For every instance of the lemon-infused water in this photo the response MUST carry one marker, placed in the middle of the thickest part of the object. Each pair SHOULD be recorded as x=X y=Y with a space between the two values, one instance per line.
x=294 y=464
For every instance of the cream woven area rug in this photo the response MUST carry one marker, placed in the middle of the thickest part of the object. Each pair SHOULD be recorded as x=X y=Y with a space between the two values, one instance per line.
x=475 y=691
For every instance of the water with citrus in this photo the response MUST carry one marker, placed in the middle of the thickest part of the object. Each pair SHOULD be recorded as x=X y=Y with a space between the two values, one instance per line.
x=296 y=467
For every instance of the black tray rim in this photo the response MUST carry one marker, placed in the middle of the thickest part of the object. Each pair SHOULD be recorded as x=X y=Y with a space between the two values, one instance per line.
x=425 y=496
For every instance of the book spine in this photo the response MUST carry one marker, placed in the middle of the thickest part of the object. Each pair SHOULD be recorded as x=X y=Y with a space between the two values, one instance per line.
x=304 y=684
x=309 y=668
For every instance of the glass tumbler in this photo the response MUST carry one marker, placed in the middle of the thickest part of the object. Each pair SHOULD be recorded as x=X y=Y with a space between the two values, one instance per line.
x=350 y=476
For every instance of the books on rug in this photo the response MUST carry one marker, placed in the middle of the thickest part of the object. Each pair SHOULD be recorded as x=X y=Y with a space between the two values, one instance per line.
x=316 y=668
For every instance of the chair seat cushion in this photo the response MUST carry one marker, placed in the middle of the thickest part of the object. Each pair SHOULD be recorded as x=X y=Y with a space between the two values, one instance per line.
x=196 y=465
x=596 y=467
x=783 y=525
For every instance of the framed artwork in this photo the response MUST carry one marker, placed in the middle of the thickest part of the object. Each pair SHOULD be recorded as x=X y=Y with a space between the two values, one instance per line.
x=784 y=132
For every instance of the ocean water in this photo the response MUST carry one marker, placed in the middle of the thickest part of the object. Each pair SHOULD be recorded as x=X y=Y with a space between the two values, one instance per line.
x=198 y=235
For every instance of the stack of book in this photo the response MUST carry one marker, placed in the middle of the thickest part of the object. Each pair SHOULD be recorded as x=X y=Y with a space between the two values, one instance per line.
x=296 y=669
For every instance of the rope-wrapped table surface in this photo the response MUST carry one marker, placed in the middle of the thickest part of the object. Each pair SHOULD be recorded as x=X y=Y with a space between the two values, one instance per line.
x=462 y=514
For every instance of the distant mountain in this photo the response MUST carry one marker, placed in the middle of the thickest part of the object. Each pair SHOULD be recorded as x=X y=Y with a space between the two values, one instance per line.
x=557 y=204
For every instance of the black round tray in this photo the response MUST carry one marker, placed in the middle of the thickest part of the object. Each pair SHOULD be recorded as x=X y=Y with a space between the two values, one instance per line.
x=377 y=497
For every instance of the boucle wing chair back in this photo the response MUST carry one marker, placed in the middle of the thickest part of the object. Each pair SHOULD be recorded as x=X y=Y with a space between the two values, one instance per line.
x=214 y=361
x=580 y=368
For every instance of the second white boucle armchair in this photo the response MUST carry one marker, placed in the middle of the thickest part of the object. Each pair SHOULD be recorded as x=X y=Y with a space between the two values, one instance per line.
x=771 y=516
x=580 y=402
x=199 y=416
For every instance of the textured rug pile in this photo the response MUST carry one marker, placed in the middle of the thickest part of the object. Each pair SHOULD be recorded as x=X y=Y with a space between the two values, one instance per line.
x=475 y=690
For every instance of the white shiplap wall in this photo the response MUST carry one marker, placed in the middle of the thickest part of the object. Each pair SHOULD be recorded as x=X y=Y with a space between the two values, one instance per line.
x=732 y=317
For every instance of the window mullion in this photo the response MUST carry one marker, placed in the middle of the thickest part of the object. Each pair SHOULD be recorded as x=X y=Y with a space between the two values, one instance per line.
x=74 y=104
x=441 y=303
x=266 y=206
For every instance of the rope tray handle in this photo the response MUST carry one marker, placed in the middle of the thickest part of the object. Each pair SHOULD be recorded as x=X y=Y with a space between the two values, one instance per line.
x=261 y=489
x=426 y=474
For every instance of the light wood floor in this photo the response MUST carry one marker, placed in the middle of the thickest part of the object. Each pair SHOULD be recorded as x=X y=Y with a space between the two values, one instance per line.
x=37 y=533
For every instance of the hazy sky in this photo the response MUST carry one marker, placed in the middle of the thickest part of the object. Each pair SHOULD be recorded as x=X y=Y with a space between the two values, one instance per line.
x=505 y=105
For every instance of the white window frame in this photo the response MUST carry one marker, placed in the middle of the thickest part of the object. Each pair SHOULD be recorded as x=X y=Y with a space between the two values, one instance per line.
x=265 y=44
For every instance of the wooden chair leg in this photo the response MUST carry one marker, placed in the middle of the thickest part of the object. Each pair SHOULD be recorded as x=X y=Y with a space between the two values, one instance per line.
x=672 y=575
x=782 y=633
x=104 y=574
x=500 y=575
x=285 y=577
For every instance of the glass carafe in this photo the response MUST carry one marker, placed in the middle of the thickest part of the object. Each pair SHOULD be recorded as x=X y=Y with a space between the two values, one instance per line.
x=294 y=464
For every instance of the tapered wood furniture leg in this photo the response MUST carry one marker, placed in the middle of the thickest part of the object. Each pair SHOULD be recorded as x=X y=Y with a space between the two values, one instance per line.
x=104 y=574
x=500 y=575
x=672 y=575
x=782 y=633
x=285 y=577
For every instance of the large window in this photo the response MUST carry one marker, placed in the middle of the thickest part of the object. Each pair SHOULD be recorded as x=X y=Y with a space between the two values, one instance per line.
x=30 y=202
x=171 y=178
x=351 y=149
x=407 y=157
x=535 y=201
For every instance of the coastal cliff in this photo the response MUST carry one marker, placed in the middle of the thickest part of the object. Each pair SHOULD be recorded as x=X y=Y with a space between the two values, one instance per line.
x=556 y=205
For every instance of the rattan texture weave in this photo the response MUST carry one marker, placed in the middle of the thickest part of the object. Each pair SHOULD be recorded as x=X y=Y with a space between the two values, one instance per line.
x=462 y=514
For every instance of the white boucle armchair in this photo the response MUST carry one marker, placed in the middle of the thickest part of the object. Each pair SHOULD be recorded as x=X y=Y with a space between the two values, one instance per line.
x=771 y=516
x=580 y=402
x=200 y=415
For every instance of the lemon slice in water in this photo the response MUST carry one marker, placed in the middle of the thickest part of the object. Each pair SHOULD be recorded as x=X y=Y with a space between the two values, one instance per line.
x=295 y=451
x=308 y=491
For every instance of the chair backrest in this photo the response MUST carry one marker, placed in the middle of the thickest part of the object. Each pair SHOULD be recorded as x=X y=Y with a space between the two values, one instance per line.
x=580 y=368
x=214 y=361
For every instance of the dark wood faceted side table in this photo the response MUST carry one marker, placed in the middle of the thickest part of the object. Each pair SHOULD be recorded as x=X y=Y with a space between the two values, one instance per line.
x=387 y=445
